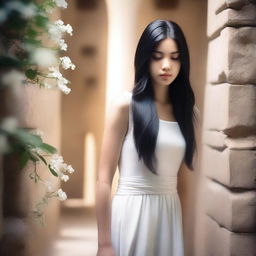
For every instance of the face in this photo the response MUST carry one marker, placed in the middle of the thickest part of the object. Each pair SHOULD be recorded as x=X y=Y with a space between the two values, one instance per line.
x=165 y=59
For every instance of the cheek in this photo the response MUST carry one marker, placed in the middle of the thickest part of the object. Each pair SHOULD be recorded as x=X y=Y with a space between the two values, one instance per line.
x=153 y=68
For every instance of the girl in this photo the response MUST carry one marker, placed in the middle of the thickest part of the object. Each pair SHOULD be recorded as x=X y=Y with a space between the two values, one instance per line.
x=149 y=133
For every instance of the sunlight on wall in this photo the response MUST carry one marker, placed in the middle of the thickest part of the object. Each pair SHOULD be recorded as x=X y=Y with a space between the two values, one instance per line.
x=89 y=187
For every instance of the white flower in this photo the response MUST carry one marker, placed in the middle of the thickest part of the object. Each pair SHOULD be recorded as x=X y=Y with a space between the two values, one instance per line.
x=54 y=32
x=64 y=177
x=66 y=63
x=9 y=124
x=61 y=195
x=26 y=10
x=56 y=163
x=61 y=81
x=44 y=57
x=55 y=72
x=60 y=167
x=63 y=45
x=48 y=185
x=64 y=88
x=59 y=23
x=69 y=29
x=61 y=3
x=70 y=169
x=56 y=160
x=64 y=28
x=13 y=78
x=58 y=28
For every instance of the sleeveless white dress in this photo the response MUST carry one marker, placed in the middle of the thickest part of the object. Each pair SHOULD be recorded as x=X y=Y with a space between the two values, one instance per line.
x=146 y=214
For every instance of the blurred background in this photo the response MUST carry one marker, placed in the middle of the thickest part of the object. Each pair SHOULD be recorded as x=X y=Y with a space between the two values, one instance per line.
x=218 y=198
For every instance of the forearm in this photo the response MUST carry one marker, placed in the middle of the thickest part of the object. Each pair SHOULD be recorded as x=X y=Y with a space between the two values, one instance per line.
x=103 y=212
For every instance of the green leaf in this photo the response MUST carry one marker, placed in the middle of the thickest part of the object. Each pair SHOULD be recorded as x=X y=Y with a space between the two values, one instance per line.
x=32 y=41
x=32 y=33
x=7 y=61
x=28 y=138
x=41 y=21
x=31 y=74
x=42 y=158
x=48 y=148
x=33 y=157
x=52 y=171
x=24 y=157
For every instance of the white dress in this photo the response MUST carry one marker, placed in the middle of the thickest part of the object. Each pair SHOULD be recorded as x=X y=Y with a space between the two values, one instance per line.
x=146 y=217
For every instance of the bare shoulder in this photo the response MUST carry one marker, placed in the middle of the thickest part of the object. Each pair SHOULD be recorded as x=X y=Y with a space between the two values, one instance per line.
x=122 y=99
x=120 y=103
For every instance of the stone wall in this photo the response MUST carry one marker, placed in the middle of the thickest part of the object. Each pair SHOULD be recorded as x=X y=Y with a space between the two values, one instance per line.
x=19 y=233
x=229 y=155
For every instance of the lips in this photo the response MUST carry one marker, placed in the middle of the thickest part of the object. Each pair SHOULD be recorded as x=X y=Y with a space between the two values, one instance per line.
x=165 y=75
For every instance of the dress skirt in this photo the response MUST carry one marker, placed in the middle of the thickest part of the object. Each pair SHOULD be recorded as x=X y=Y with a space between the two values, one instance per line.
x=146 y=217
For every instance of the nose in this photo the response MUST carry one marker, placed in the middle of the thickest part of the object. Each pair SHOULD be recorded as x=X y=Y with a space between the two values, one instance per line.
x=166 y=64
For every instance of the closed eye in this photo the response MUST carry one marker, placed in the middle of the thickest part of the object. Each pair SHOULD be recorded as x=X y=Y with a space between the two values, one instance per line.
x=159 y=58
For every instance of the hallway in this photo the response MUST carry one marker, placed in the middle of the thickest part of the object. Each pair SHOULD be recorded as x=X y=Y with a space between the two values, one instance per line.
x=77 y=234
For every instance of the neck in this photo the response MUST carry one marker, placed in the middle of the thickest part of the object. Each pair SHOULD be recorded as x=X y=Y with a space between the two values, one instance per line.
x=161 y=95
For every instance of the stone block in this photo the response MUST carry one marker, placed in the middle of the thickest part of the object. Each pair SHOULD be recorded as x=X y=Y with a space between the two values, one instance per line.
x=231 y=108
x=216 y=107
x=232 y=168
x=242 y=164
x=215 y=139
x=220 y=141
x=232 y=55
x=220 y=241
x=248 y=142
x=220 y=5
x=215 y=165
x=235 y=13
x=234 y=210
x=217 y=239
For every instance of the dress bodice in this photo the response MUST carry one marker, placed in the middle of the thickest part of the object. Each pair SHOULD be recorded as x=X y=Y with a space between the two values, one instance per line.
x=170 y=151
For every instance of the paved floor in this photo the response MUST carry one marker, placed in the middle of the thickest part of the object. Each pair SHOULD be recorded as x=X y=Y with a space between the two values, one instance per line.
x=77 y=234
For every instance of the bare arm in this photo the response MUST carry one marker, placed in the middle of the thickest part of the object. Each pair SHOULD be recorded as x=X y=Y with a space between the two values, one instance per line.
x=116 y=125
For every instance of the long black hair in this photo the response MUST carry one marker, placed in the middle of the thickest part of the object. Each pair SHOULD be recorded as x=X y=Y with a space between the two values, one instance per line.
x=146 y=121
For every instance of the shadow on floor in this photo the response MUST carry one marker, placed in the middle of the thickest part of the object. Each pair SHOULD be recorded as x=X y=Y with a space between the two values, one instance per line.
x=77 y=234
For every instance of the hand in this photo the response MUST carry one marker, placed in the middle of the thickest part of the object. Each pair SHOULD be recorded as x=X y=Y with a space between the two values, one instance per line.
x=106 y=250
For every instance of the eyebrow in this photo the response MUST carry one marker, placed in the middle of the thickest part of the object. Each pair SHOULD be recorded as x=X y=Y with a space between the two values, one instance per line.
x=170 y=52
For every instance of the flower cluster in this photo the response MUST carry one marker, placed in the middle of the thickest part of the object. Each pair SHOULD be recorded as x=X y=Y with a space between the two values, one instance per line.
x=60 y=168
x=61 y=3
x=61 y=81
x=30 y=54
x=13 y=78
x=26 y=11
x=33 y=149
x=56 y=31
x=34 y=25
